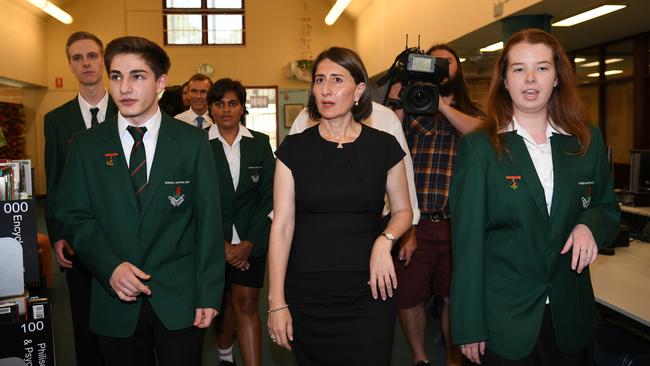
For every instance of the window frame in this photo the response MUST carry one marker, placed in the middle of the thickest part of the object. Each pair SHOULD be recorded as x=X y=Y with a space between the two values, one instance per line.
x=204 y=11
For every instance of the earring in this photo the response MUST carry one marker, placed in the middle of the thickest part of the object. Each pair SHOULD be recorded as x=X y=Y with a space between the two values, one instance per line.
x=356 y=103
x=555 y=84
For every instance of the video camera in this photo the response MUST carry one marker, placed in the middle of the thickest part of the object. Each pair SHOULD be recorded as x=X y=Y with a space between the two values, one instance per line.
x=420 y=75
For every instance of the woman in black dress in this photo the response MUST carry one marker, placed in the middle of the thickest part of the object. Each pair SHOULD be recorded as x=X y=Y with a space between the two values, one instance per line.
x=331 y=277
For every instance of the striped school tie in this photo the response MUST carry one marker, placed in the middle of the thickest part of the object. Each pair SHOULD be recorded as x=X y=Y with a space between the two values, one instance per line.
x=138 y=161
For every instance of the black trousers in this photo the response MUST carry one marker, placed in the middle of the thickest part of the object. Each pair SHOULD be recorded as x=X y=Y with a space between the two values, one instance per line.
x=151 y=341
x=85 y=342
x=545 y=352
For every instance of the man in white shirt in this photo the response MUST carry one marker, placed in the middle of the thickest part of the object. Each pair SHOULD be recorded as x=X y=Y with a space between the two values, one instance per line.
x=197 y=115
x=383 y=119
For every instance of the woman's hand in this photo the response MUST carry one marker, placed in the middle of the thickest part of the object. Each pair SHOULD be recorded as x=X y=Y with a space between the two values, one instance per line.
x=237 y=255
x=382 y=271
x=280 y=326
x=584 y=247
x=473 y=351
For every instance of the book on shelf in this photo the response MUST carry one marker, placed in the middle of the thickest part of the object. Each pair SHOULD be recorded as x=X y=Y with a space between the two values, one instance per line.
x=15 y=179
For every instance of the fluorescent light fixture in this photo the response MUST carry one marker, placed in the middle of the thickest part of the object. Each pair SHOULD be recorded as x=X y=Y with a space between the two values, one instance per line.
x=463 y=59
x=579 y=60
x=607 y=73
x=53 y=10
x=336 y=11
x=607 y=62
x=588 y=15
x=493 y=47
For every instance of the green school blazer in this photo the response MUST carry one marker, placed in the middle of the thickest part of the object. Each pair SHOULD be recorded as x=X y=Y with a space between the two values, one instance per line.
x=506 y=247
x=60 y=124
x=174 y=236
x=248 y=206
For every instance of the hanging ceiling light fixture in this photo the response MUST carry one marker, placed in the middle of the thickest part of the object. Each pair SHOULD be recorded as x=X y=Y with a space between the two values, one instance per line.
x=336 y=11
x=53 y=10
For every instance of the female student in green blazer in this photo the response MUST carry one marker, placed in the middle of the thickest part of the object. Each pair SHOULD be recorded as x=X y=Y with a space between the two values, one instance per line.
x=245 y=166
x=531 y=202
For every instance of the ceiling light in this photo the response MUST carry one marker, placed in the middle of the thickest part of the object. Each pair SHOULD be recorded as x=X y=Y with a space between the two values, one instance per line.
x=53 y=10
x=579 y=60
x=493 y=47
x=607 y=73
x=607 y=62
x=336 y=11
x=462 y=59
x=588 y=15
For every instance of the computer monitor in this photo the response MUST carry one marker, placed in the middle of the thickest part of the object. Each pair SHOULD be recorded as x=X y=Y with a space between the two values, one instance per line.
x=640 y=171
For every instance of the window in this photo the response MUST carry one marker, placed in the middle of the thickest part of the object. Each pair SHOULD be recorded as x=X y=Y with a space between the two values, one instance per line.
x=203 y=22
x=263 y=112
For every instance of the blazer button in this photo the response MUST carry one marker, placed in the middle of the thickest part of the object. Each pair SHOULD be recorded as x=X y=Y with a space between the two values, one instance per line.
x=550 y=284
x=142 y=243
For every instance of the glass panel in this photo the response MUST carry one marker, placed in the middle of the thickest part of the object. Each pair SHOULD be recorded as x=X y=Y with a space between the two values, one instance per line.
x=620 y=60
x=262 y=112
x=182 y=4
x=589 y=95
x=184 y=29
x=587 y=66
x=224 y=4
x=620 y=119
x=225 y=29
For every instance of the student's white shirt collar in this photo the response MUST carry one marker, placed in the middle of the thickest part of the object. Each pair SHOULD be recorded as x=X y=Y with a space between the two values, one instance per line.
x=152 y=125
x=213 y=133
x=515 y=126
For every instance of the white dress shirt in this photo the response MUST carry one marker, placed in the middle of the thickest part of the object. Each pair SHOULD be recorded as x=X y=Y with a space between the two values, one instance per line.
x=149 y=140
x=85 y=109
x=233 y=156
x=189 y=116
x=384 y=119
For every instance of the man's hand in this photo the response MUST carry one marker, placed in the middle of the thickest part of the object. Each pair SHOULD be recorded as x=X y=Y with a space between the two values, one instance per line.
x=126 y=282
x=408 y=244
x=394 y=92
x=204 y=317
x=59 y=247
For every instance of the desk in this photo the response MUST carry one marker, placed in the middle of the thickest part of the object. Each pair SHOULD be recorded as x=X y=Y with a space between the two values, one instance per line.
x=622 y=281
x=641 y=211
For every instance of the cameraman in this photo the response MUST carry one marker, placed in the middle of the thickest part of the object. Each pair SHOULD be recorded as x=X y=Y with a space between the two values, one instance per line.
x=432 y=141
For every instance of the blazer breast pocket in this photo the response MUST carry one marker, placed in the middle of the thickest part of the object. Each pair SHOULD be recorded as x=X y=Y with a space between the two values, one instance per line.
x=176 y=195
x=583 y=186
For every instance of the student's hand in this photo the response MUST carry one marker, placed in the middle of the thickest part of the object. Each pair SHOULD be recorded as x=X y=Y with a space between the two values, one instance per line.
x=126 y=282
x=584 y=247
x=59 y=248
x=382 y=270
x=204 y=317
x=238 y=255
x=473 y=351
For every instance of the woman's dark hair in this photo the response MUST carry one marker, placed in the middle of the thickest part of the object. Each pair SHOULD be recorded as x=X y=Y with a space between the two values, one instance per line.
x=172 y=100
x=221 y=87
x=350 y=61
x=565 y=108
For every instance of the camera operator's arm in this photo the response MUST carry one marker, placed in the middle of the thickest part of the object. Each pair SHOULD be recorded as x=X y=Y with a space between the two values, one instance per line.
x=393 y=93
x=464 y=123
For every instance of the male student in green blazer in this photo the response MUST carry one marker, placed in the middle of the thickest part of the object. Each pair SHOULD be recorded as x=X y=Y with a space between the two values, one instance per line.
x=245 y=166
x=140 y=200
x=531 y=203
x=90 y=107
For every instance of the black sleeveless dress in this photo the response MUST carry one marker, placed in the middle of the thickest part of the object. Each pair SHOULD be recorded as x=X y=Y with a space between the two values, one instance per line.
x=339 y=195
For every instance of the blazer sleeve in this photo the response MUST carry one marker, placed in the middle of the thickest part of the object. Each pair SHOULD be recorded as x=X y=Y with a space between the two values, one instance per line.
x=258 y=229
x=603 y=216
x=75 y=212
x=54 y=163
x=210 y=258
x=467 y=198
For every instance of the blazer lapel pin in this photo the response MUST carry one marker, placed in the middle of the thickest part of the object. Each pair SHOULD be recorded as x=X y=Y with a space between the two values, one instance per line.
x=109 y=158
x=514 y=181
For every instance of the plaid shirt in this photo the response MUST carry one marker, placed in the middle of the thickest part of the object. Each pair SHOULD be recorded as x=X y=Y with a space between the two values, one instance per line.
x=432 y=143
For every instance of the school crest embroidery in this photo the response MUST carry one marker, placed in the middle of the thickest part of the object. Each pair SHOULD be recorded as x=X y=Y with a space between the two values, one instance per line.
x=178 y=198
x=586 y=199
x=255 y=176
